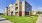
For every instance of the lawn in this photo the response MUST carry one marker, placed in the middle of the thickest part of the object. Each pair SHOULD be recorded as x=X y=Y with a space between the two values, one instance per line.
x=15 y=19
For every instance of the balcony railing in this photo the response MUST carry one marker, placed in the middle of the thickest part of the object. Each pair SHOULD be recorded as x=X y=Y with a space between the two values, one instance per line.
x=16 y=10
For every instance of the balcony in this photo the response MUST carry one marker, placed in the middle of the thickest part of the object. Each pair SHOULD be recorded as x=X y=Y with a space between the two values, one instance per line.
x=16 y=10
x=16 y=5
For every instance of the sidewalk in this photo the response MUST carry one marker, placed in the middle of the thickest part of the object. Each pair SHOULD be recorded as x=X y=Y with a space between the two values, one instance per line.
x=39 y=20
x=3 y=20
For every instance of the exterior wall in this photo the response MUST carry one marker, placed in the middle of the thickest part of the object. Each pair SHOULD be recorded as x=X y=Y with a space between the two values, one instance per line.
x=13 y=9
x=17 y=11
x=10 y=9
x=28 y=8
x=6 y=11
x=23 y=8
x=20 y=6
x=33 y=12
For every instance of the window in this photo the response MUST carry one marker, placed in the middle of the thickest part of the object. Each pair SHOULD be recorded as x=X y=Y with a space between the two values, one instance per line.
x=16 y=8
x=16 y=4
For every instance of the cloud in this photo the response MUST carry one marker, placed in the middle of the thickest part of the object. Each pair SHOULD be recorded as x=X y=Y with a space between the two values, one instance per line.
x=40 y=9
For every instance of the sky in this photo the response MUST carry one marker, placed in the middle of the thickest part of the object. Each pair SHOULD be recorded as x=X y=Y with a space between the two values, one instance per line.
x=36 y=4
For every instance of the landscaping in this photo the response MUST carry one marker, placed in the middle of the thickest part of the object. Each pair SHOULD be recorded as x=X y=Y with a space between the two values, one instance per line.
x=16 y=19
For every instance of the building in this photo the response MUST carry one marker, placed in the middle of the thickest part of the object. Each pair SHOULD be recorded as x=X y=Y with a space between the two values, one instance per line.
x=19 y=8
x=10 y=9
x=6 y=11
x=33 y=12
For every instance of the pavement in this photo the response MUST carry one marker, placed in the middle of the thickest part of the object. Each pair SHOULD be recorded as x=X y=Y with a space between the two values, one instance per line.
x=3 y=20
x=39 y=20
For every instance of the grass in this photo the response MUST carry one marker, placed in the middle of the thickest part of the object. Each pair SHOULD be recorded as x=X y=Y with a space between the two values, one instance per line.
x=15 y=19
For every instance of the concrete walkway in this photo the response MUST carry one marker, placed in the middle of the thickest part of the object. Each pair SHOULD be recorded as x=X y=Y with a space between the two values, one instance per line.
x=3 y=20
x=39 y=20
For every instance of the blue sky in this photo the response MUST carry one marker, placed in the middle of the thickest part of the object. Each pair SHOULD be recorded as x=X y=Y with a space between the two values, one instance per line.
x=36 y=4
